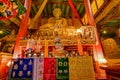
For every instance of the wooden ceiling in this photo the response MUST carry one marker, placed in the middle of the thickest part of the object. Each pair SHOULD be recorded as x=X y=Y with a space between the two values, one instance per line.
x=111 y=17
x=62 y=4
x=13 y=23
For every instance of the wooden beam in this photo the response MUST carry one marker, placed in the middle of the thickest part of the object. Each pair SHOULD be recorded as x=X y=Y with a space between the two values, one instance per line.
x=101 y=8
x=15 y=20
x=57 y=2
x=103 y=13
x=33 y=23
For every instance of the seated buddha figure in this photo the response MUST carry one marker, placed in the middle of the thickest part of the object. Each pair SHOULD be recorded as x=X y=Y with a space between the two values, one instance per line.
x=7 y=42
x=56 y=23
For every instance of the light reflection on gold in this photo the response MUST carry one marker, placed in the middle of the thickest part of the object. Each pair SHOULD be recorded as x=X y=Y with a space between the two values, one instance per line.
x=99 y=3
x=94 y=7
x=1 y=32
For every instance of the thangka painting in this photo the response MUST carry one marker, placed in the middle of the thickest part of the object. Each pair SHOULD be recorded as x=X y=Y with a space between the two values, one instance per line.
x=87 y=35
x=111 y=48
x=62 y=69
x=22 y=69
x=81 y=68
x=49 y=69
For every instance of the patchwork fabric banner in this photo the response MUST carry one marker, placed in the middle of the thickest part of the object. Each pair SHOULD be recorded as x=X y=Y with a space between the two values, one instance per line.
x=49 y=69
x=38 y=69
x=22 y=69
x=62 y=72
x=72 y=68
x=81 y=68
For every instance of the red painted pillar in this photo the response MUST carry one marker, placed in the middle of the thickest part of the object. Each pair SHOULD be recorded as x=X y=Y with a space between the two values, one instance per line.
x=23 y=27
x=73 y=19
x=91 y=21
x=97 y=47
x=89 y=12
x=75 y=11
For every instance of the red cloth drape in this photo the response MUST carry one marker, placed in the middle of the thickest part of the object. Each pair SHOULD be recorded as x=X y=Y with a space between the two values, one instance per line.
x=49 y=69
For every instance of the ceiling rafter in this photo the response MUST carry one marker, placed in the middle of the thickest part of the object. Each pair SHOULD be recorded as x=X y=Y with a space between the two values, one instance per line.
x=59 y=2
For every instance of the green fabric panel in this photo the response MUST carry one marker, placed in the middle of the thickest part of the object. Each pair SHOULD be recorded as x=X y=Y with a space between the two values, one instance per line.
x=62 y=69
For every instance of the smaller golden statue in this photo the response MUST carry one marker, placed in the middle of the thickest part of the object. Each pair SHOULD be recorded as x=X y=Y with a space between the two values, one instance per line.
x=58 y=50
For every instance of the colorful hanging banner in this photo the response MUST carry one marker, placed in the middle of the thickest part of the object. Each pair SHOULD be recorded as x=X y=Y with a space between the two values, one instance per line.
x=40 y=68
x=35 y=69
x=22 y=69
x=10 y=8
x=81 y=68
x=49 y=69
x=72 y=68
x=62 y=69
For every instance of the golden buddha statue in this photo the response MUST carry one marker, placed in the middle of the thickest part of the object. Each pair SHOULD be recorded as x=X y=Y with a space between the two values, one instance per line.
x=56 y=23
x=7 y=42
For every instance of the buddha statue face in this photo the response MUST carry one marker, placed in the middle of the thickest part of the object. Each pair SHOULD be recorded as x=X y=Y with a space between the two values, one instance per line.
x=58 y=45
x=57 y=13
